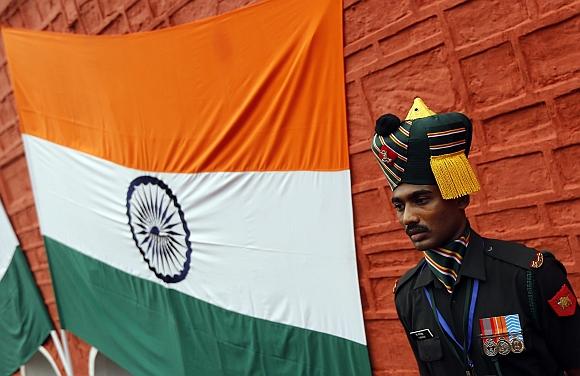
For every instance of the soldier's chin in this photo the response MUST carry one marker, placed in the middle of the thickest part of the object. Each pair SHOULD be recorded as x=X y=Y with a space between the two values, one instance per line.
x=421 y=241
x=421 y=247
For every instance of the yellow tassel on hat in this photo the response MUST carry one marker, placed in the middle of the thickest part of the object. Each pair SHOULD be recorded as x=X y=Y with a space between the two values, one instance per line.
x=419 y=110
x=454 y=175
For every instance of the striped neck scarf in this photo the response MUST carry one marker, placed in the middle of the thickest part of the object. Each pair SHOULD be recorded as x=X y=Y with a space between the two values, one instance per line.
x=445 y=261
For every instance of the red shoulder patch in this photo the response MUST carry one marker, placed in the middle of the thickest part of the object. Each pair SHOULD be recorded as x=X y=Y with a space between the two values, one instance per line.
x=564 y=302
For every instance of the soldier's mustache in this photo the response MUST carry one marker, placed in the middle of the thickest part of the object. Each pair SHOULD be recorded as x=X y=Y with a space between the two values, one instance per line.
x=415 y=229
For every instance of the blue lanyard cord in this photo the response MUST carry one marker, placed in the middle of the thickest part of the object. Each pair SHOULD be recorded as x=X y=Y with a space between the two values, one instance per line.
x=472 y=312
x=445 y=326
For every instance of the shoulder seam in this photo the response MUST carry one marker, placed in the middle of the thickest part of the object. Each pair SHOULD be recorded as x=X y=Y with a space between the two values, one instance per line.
x=512 y=253
x=408 y=275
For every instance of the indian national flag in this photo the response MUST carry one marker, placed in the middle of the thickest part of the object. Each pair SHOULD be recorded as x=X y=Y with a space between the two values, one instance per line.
x=24 y=321
x=193 y=189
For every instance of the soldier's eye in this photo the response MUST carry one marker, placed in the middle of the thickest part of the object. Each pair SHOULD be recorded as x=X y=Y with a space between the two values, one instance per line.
x=421 y=200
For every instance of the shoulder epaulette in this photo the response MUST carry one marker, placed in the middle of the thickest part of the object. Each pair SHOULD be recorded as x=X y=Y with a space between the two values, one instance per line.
x=514 y=253
x=407 y=276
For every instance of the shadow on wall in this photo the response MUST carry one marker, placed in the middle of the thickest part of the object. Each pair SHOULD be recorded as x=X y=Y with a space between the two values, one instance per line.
x=100 y=365
x=41 y=364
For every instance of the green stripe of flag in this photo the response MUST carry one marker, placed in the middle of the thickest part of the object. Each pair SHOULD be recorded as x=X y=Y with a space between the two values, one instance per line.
x=150 y=330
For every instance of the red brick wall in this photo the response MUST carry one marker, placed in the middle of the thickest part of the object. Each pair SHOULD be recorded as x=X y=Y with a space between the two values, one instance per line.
x=514 y=66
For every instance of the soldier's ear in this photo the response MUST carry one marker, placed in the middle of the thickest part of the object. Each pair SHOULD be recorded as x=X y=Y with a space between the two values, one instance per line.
x=463 y=202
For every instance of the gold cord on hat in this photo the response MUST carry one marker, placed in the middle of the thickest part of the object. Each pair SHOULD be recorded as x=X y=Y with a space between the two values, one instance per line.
x=454 y=175
x=453 y=172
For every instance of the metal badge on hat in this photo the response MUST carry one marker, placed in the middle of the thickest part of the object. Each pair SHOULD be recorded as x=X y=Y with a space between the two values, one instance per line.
x=389 y=145
x=501 y=335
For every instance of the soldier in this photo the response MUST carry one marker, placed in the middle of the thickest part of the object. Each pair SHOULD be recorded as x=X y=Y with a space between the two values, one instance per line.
x=471 y=306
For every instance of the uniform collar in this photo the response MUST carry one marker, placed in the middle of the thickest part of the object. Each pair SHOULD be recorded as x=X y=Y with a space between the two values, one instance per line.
x=473 y=265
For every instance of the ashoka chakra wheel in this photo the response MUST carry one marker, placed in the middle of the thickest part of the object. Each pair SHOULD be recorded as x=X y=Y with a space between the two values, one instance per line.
x=159 y=228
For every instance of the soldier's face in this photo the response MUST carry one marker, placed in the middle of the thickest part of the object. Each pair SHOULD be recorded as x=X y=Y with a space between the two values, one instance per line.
x=428 y=219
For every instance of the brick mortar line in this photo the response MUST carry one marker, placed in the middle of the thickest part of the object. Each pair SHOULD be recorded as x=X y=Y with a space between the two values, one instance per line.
x=555 y=180
x=544 y=229
x=487 y=155
x=5 y=127
x=522 y=29
x=36 y=8
x=409 y=20
x=174 y=9
x=155 y=22
x=560 y=88
x=483 y=45
x=386 y=61
x=357 y=89
x=493 y=155
x=8 y=90
x=125 y=7
x=550 y=18
x=390 y=271
x=509 y=204
x=8 y=11
x=359 y=147
x=533 y=9
x=377 y=228
x=457 y=76
x=521 y=202
x=29 y=228
x=7 y=94
x=66 y=17
x=80 y=19
x=107 y=21
x=387 y=246
x=527 y=99
x=127 y=20
x=387 y=31
x=16 y=150
x=348 y=3
x=358 y=86
x=376 y=315
x=34 y=244
x=51 y=17
x=39 y=267
x=20 y=205
x=368 y=186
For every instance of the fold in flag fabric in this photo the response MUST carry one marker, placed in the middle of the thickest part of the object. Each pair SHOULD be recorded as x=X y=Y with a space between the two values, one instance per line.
x=24 y=321
x=193 y=190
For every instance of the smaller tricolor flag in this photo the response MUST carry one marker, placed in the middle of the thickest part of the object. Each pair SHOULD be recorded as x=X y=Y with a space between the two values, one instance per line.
x=24 y=321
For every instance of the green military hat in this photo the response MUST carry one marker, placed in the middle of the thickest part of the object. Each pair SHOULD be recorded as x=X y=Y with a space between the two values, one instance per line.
x=426 y=148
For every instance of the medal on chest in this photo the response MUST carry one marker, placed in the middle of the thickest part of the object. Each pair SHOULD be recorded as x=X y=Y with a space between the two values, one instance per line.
x=501 y=335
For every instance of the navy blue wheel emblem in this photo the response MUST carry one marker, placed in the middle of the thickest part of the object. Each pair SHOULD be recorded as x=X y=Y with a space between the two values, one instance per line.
x=159 y=228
